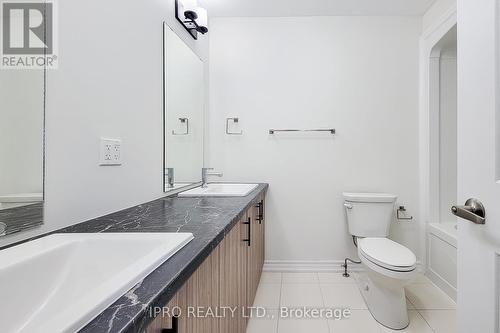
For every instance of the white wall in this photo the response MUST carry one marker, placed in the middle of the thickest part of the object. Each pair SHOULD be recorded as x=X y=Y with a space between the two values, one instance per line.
x=21 y=131
x=448 y=135
x=109 y=83
x=357 y=74
x=21 y=128
x=436 y=11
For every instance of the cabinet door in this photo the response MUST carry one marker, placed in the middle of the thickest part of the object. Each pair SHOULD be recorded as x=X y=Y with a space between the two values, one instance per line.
x=208 y=286
x=201 y=291
x=256 y=254
x=199 y=294
x=233 y=279
x=244 y=250
x=261 y=235
x=252 y=273
x=163 y=320
x=227 y=279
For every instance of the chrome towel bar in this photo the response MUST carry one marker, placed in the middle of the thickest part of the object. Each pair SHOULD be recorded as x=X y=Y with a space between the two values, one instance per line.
x=331 y=130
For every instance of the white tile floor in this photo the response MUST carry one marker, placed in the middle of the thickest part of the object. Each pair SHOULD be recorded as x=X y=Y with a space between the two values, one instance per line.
x=431 y=310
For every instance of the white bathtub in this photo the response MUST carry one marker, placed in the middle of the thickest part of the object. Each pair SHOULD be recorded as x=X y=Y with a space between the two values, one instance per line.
x=442 y=256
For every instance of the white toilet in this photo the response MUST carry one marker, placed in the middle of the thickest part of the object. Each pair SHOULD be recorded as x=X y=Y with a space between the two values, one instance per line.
x=389 y=266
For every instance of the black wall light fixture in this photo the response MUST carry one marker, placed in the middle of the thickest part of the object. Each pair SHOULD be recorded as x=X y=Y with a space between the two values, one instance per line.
x=193 y=18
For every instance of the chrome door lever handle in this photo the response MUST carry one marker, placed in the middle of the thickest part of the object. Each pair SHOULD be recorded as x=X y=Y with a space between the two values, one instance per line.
x=472 y=211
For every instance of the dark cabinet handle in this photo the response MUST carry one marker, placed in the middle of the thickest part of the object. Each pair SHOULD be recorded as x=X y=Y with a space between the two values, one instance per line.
x=260 y=215
x=175 y=326
x=249 y=231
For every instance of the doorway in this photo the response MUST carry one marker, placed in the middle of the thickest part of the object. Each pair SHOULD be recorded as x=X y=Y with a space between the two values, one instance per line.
x=441 y=231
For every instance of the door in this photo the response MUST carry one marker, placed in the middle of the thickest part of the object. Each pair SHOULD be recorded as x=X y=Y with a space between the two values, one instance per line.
x=478 y=165
x=233 y=278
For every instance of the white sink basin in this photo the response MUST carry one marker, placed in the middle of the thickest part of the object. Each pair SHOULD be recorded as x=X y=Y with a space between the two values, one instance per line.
x=220 y=190
x=59 y=283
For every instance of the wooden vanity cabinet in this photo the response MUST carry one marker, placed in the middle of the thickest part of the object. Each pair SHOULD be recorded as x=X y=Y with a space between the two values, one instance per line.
x=256 y=249
x=227 y=279
x=200 y=290
x=232 y=282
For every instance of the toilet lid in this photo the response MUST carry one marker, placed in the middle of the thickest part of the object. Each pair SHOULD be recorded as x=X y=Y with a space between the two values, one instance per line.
x=387 y=253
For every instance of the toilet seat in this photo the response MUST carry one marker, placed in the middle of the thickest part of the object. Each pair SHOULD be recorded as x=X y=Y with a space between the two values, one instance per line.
x=387 y=254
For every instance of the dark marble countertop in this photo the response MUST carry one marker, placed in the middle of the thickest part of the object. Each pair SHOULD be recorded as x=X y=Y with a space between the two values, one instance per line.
x=22 y=218
x=208 y=218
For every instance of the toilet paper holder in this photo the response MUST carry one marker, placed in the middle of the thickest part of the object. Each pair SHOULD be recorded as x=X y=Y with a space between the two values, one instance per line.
x=400 y=213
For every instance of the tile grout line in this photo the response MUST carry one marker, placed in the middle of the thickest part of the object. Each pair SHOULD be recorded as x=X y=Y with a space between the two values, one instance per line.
x=279 y=303
x=409 y=300
x=428 y=282
x=428 y=324
x=418 y=312
x=330 y=328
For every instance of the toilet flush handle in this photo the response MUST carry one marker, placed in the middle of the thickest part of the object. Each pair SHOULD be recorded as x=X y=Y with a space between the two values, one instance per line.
x=347 y=205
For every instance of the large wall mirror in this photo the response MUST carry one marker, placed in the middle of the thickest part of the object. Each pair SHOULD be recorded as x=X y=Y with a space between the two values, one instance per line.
x=21 y=149
x=184 y=104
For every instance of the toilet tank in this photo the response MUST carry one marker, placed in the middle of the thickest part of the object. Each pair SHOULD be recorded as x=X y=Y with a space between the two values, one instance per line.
x=369 y=214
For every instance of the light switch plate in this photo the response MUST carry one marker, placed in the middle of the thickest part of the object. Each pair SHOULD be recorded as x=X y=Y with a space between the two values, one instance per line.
x=110 y=152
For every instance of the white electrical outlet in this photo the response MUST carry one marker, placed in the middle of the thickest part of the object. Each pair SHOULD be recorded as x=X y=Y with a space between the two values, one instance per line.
x=110 y=152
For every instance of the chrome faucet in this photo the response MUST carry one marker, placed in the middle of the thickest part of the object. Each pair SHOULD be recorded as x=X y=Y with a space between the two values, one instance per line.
x=205 y=174
x=169 y=174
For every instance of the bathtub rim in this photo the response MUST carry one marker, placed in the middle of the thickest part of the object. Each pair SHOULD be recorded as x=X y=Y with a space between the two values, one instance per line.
x=445 y=231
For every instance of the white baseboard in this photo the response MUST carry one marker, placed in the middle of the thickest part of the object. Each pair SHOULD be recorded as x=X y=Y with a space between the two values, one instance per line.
x=442 y=284
x=313 y=266
x=308 y=266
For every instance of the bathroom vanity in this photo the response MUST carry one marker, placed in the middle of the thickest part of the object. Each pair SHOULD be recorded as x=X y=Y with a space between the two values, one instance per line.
x=101 y=287
x=220 y=267
x=226 y=280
